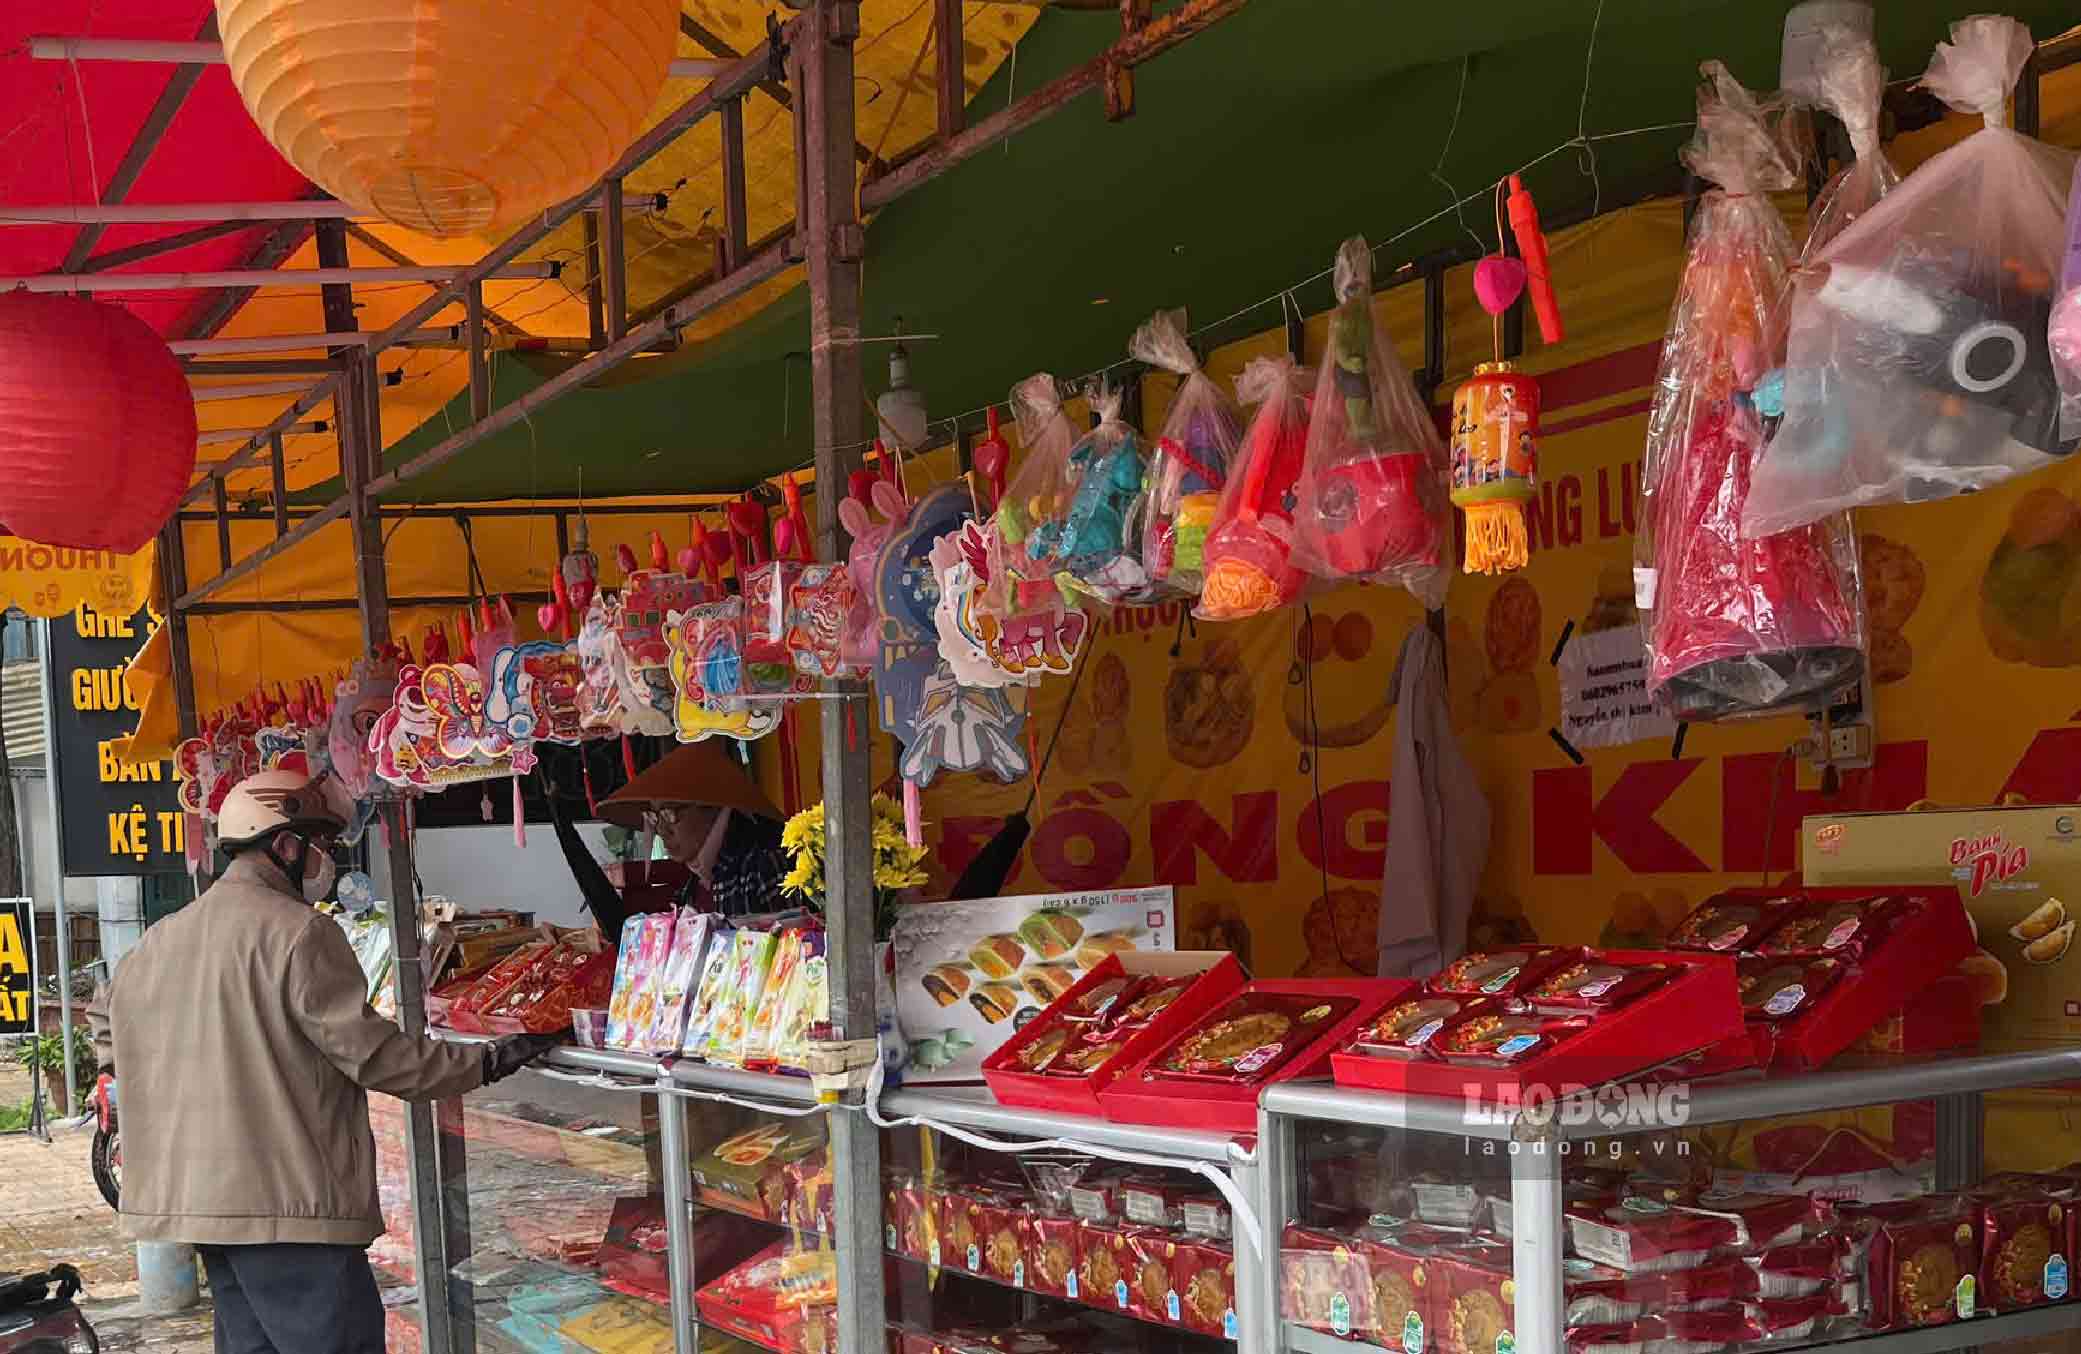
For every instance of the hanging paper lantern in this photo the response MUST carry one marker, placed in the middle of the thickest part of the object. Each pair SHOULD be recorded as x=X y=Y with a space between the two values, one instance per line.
x=450 y=117
x=1495 y=417
x=97 y=424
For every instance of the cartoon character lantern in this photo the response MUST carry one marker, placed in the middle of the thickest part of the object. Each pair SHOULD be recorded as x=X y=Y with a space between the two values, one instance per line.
x=1495 y=417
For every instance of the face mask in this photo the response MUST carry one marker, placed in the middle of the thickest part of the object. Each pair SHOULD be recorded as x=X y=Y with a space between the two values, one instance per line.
x=316 y=887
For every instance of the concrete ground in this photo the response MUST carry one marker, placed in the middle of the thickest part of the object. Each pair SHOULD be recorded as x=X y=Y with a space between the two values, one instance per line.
x=50 y=1212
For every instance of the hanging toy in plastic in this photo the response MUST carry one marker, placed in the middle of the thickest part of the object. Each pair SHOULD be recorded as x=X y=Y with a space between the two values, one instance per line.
x=1250 y=540
x=1918 y=365
x=2063 y=331
x=1029 y=510
x=580 y=570
x=1099 y=538
x=1371 y=496
x=1733 y=626
x=1199 y=438
x=1495 y=419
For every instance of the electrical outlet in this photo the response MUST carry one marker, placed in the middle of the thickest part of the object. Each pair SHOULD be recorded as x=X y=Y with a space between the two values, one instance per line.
x=1842 y=736
x=1850 y=745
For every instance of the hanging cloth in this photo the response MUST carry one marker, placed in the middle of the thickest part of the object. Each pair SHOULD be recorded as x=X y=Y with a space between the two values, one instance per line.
x=1437 y=822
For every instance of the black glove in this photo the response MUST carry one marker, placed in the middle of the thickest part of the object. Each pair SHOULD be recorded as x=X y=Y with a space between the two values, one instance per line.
x=504 y=1057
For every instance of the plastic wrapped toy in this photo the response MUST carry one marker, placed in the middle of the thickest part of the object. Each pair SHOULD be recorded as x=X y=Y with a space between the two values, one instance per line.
x=1037 y=498
x=1917 y=365
x=1371 y=496
x=2064 y=332
x=1191 y=461
x=1098 y=539
x=1250 y=541
x=1733 y=626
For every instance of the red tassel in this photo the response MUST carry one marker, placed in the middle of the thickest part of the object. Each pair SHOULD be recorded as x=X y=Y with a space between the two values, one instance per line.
x=519 y=818
x=852 y=730
x=628 y=758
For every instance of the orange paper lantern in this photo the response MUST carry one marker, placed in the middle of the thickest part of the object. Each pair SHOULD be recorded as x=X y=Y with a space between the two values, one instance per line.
x=450 y=117
x=97 y=424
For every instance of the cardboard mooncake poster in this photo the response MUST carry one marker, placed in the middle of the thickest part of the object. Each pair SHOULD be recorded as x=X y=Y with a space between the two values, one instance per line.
x=969 y=974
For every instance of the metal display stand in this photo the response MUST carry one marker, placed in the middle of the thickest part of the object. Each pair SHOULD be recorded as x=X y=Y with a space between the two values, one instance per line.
x=971 y=1111
x=1538 y=1147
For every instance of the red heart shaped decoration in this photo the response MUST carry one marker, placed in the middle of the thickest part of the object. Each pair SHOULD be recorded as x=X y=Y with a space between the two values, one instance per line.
x=1498 y=281
x=547 y=615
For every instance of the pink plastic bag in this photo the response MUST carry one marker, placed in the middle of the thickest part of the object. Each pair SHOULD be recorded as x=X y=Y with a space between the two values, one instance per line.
x=1371 y=496
x=1733 y=626
x=1249 y=568
x=2064 y=331
x=1190 y=464
x=1917 y=366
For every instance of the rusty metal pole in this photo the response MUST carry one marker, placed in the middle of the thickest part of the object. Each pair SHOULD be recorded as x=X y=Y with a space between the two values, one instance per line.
x=439 y=1203
x=173 y=576
x=822 y=70
x=480 y=363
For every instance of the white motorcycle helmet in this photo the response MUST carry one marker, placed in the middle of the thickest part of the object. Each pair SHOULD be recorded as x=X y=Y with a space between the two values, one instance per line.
x=271 y=802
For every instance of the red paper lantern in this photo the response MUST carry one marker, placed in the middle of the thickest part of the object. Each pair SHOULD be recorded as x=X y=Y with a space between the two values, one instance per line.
x=97 y=424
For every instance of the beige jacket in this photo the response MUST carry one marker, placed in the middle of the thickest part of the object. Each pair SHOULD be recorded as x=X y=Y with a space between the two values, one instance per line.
x=244 y=1045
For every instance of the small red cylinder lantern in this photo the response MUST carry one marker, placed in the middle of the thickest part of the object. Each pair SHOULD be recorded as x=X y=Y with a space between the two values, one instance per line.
x=1495 y=417
x=97 y=424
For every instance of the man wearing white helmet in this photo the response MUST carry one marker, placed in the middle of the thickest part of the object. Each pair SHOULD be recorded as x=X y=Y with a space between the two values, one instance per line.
x=246 y=1046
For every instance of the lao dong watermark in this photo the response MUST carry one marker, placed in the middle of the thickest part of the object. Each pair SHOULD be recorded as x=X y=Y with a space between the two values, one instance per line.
x=1613 y=1107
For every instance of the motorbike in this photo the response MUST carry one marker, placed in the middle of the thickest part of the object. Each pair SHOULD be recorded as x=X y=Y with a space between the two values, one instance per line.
x=107 y=1156
x=37 y=1315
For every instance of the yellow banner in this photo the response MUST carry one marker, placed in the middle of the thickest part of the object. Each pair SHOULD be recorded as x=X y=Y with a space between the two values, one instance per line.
x=50 y=580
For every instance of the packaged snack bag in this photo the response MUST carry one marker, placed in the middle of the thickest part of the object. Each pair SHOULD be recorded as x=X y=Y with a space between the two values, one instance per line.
x=714 y=981
x=786 y=968
x=1918 y=365
x=751 y=957
x=807 y=1005
x=680 y=972
x=1247 y=567
x=1370 y=501
x=1193 y=454
x=627 y=969
x=1098 y=539
x=1733 y=626
x=1028 y=545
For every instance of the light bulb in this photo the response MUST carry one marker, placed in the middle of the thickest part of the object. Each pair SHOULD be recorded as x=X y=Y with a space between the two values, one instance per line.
x=901 y=408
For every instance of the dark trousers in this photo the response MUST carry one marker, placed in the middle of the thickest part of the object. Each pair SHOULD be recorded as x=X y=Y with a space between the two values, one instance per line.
x=292 y=1299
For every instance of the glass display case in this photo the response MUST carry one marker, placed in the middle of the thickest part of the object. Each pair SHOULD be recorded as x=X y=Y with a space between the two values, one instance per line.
x=1904 y=1204
x=607 y=1202
x=613 y=1203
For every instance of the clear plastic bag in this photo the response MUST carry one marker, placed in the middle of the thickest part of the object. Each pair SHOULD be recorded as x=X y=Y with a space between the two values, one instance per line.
x=1852 y=84
x=1191 y=460
x=1027 y=551
x=1099 y=538
x=2064 y=332
x=1249 y=567
x=1733 y=626
x=1370 y=501
x=1917 y=364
